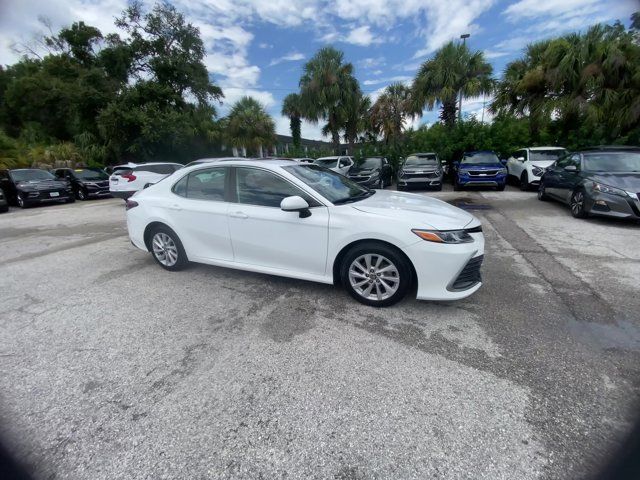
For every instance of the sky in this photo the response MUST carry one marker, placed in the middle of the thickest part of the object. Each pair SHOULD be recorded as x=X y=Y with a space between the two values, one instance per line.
x=259 y=47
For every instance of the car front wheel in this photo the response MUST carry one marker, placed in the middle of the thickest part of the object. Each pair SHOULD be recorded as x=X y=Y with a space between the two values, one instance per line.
x=22 y=203
x=82 y=194
x=542 y=195
x=524 y=182
x=577 y=204
x=167 y=249
x=376 y=274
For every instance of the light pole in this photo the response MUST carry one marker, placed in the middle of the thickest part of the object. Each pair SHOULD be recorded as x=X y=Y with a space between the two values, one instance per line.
x=464 y=37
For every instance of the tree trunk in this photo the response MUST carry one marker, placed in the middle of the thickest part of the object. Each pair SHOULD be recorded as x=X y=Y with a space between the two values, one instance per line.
x=448 y=112
x=295 y=124
x=352 y=147
x=335 y=140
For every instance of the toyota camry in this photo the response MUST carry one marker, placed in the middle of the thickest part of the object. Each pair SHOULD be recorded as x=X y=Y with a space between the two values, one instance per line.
x=307 y=222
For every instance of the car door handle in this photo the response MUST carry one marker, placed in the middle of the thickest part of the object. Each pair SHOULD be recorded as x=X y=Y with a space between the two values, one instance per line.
x=238 y=215
x=174 y=207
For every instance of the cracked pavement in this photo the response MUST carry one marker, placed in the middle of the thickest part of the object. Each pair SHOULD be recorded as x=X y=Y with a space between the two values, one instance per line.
x=112 y=368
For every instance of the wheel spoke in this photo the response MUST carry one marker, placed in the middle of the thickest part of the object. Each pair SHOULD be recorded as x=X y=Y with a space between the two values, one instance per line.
x=367 y=261
x=354 y=273
x=387 y=286
x=367 y=290
x=360 y=283
x=378 y=261
x=378 y=293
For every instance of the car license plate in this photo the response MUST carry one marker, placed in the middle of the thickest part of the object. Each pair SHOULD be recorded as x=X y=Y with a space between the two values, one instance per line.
x=54 y=194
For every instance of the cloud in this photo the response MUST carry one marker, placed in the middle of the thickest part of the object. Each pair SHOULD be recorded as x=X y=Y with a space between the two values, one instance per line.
x=232 y=95
x=265 y=45
x=361 y=36
x=371 y=62
x=398 y=78
x=308 y=130
x=290 y=57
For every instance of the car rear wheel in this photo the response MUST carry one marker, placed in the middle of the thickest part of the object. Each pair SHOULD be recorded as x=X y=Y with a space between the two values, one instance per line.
x=577 y=204
x=376 y=274
x=167 y=249
x=542 y=195
x=524 y=182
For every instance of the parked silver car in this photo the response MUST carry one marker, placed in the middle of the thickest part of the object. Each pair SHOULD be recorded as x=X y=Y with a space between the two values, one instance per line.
x=420 y=170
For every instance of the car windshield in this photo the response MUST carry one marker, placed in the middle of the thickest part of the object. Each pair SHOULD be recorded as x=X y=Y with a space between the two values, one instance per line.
x=326 y=162
x=421 y=160
x=31 y=174
x=545 y=155
x=371 y=162
x=332 y=186
x=90 y=174
x=480 y=158
x=612 y=162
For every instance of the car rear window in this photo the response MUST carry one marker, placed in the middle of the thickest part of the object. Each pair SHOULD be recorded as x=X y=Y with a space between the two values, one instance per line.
x=122 y=171
x=162 y=169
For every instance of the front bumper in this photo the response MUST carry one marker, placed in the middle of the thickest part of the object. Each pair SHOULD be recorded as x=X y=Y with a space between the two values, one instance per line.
x=482 y=181
x=45 y=196
x=417 y=182
x=608 y=205
x=439 y=266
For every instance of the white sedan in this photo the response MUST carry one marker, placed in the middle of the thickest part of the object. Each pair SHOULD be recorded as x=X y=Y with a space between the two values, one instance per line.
x=307 y=222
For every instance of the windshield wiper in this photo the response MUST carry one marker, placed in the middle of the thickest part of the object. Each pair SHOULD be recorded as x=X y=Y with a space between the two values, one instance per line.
x=362 y=196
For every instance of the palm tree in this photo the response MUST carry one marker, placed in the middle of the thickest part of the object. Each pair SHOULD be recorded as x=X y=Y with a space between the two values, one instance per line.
x=390 y=112
x=292 y=108
x=327 y=90
x=250 y=126
x=452 y=70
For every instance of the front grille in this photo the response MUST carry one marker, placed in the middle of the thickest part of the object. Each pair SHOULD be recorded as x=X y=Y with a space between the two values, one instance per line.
x=421 y=175
x=483 y=173
x=360 y=178
x=469 y=276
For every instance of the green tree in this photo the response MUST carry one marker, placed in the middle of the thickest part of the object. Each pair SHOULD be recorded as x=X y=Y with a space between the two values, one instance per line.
x=357 y=117
x=327 y=91
x=249 y=125
x=452 y=69
x=390 y=113
x=292 y=108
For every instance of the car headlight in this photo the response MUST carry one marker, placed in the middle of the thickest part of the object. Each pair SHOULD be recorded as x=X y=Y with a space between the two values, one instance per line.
x=463 y=171
x=598 y=187
x=502 y=170
x=537 y=171
x=444 y=236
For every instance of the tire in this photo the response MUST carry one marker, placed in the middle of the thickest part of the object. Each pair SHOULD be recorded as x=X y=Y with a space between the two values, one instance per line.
x=524 y=182
x=71 y=199
x=401 y=188
x=542 y=196
x=456 y=186
x=22 y=203
x=82 y=195
x=4 y=208
x=500 y=188
x=380 y=185
x=438 y=188
x=389 y=285
x=577 y=204
x=166 y=249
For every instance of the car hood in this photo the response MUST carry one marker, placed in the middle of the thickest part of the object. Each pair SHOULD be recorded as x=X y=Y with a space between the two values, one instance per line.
x=363 y=171
x=425 y=212
x=626 y=181
x=42 y=184
x=484 y=166
x=543 y=163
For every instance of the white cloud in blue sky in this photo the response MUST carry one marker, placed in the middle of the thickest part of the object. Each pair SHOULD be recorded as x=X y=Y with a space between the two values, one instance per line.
x=258 y=47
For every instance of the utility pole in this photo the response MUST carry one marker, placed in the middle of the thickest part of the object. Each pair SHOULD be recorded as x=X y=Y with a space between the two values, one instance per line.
x=464 y=37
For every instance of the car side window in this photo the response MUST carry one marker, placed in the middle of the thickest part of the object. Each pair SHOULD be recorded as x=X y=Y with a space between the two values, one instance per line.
x=575 y=160
x=563 y=162
x=266 y=189
x=343 y=162
x=206 y=184
x=180 y=188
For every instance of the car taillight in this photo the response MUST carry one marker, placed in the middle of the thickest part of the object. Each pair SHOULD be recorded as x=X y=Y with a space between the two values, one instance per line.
x=130 y=177
x=129 y=204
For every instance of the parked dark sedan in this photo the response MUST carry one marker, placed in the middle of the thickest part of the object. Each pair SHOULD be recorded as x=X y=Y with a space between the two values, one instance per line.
x=30 y=186
x=86 y=182
x=420 y=170
x=4 y=206
x=374 y=172
x=599 y=181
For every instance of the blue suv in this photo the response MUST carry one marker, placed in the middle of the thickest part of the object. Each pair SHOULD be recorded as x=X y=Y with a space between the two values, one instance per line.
x=479 y=169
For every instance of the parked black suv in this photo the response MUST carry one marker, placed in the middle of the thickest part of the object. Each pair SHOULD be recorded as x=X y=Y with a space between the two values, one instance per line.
x=372 y=172
x=86 y=182
x=596 y=181
x=29 y=186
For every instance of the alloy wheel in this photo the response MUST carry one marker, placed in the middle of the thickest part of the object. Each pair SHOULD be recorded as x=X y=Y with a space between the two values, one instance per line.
x=165 y=249
x=20 y=201
x=577 y=204
x=81 y=195
x=374 y=277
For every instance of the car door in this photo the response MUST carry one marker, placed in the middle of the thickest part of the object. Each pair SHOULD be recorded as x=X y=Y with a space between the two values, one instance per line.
x=197 y=209
x=552 y=177
x=568 y=177
x=263 y=235
x=515 y=166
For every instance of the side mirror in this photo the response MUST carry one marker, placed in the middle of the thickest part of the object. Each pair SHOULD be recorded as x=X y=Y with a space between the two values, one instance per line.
x=503 y=161
x=570 y=168
x=295 y=204
x=520 y=159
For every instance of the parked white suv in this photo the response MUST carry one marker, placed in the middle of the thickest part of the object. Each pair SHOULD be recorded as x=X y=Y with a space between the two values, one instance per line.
x=129 y=178
x=340 y=164
x=528 y=164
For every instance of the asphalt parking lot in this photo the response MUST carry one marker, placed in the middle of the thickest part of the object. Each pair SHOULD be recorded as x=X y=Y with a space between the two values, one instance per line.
x=112 y=368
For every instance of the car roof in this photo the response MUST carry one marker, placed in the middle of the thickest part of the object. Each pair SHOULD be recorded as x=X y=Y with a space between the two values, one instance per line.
x=611 y=148
x=331 y=157
x=545 y=148
x=271 y=164
x=479 y=151
x=422 y=153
